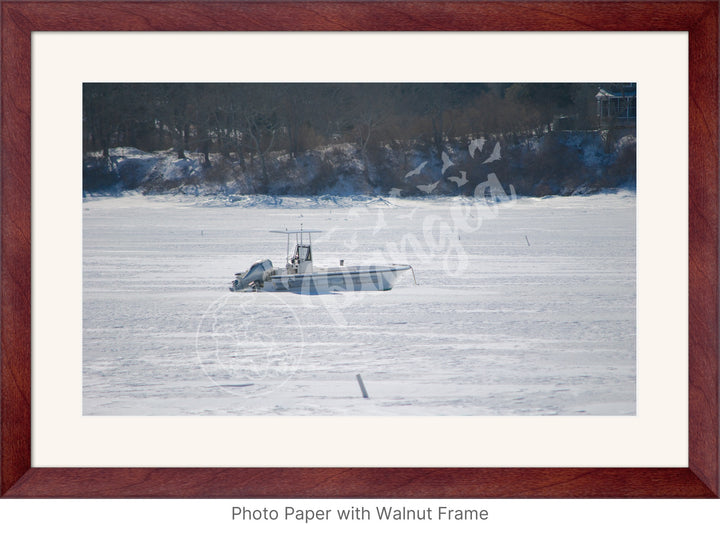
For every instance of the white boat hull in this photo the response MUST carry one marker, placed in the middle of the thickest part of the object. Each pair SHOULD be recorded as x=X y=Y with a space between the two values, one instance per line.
x=346 y=278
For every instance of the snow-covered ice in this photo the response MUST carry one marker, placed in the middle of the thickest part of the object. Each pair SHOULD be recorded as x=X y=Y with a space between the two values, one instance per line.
x=521 y=308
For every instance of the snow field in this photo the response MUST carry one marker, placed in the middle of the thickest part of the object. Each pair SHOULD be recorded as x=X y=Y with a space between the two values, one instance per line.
x=521 y=308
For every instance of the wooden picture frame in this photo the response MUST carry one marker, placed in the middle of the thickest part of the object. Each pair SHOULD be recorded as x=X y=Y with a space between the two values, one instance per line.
x=19 y=479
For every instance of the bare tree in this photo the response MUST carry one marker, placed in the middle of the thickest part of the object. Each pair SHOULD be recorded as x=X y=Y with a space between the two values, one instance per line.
x=262 y=123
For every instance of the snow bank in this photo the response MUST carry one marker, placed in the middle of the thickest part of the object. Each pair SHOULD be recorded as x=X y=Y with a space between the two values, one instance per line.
x=555 y=163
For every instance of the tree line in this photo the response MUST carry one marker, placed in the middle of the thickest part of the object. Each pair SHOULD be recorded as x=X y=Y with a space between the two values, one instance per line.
x=250 y=120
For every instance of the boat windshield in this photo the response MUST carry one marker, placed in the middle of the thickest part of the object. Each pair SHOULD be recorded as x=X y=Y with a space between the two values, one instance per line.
x=302 y=253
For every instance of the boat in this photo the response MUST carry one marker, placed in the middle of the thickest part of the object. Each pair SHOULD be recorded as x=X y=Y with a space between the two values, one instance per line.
x=300 y=275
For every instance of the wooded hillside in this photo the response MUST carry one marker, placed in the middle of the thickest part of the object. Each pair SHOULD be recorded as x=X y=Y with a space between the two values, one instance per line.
x=256 y=129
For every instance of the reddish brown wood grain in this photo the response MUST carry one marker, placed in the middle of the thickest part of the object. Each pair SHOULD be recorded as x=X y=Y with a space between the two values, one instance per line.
x=358 y=483
x=703 y=247
x=15 y=260
x=356 y=16
x=18 y=479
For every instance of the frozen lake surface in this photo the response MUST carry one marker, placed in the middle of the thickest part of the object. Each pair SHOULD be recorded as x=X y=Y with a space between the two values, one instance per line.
x=521 y=308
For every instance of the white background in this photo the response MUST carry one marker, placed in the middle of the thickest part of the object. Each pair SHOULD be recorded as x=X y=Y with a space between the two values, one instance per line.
x=550 y=57
x=193 y=517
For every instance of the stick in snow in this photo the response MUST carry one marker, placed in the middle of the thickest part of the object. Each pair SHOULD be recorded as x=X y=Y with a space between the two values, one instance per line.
x=362 y=386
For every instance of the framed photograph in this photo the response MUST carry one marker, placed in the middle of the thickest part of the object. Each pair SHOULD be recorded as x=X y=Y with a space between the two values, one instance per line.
x=548 y=314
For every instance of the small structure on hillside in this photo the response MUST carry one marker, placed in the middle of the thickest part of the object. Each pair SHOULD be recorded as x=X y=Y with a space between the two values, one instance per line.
x=617 y=105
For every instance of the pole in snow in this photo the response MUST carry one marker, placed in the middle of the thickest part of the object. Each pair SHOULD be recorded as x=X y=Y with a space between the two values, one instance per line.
x=362 y=386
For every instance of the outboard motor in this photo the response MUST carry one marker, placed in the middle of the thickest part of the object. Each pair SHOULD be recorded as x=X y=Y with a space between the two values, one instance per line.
x=253 y=277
